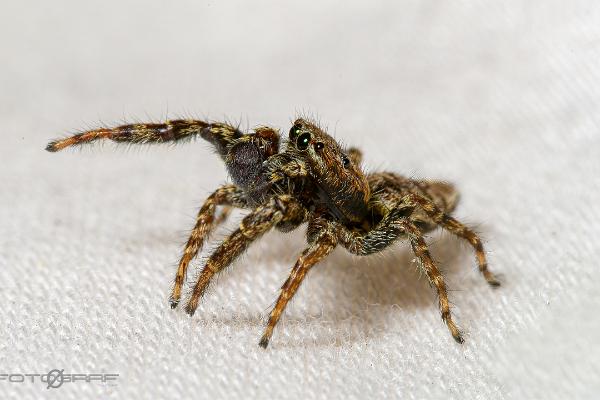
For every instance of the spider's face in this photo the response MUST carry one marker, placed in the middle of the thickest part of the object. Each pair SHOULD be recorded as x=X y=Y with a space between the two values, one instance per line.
x=342 y=184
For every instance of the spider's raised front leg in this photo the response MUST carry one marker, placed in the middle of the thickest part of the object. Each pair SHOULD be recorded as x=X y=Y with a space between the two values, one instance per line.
x=279 y=209
x=228 y=195
x=219 y=134
x=319 y=249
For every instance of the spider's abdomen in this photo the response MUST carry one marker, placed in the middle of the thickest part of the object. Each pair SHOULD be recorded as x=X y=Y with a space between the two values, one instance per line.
x=243 y=163
x=245 y=157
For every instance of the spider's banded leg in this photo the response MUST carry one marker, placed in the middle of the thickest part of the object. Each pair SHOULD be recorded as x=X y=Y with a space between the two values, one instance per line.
x=318 y=250
x=219 y=134
x=458 y=229
x=228 y=195
x=251 y=228
x=420 y=249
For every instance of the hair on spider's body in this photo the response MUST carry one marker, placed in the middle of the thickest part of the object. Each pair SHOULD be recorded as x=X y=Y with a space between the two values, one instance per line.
x=310 y=179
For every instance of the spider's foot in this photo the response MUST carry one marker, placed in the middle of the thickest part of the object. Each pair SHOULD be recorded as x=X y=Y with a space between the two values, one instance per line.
x=459 y=338
x=51 y=147
x=491 y=279
x=190 y=309
x=266 y=337
x=173 y=302
x=455 y=332
x=494 y=283
x=264 y=342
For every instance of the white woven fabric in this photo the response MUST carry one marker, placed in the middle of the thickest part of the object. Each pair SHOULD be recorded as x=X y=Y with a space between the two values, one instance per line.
x=500 y=98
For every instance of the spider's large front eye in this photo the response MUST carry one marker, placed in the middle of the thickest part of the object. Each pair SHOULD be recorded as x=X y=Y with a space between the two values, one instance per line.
x=303 y=141
x=294 y=131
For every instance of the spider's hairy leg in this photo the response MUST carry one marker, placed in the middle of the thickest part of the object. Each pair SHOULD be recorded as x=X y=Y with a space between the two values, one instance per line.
x=457 y=228
x=318 y=250
x=264 y=217
x=228 y=195
x=420 y=249
x=219 y=134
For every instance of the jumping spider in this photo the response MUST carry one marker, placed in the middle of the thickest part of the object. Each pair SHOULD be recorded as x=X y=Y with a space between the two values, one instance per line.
x=311 y=180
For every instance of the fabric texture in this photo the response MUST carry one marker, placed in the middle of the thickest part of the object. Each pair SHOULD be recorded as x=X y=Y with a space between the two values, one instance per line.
x=502 y=99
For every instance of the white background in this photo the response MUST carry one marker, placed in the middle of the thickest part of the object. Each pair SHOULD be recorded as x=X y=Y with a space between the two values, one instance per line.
x=501 y=98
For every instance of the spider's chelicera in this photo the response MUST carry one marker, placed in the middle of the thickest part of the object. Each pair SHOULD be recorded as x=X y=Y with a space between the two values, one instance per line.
x=312 y=180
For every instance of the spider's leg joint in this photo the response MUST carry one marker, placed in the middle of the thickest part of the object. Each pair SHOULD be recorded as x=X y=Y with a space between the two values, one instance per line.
x=280 y=204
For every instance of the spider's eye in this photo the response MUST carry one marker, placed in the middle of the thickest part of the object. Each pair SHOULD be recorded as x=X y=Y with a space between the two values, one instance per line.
x=294 y=131
x=319 y=146
x=345 y=161
x=303 y=141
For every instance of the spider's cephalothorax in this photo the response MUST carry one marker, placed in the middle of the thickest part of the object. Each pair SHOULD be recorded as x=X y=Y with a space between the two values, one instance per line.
x=341 y=186
x=310 y=179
